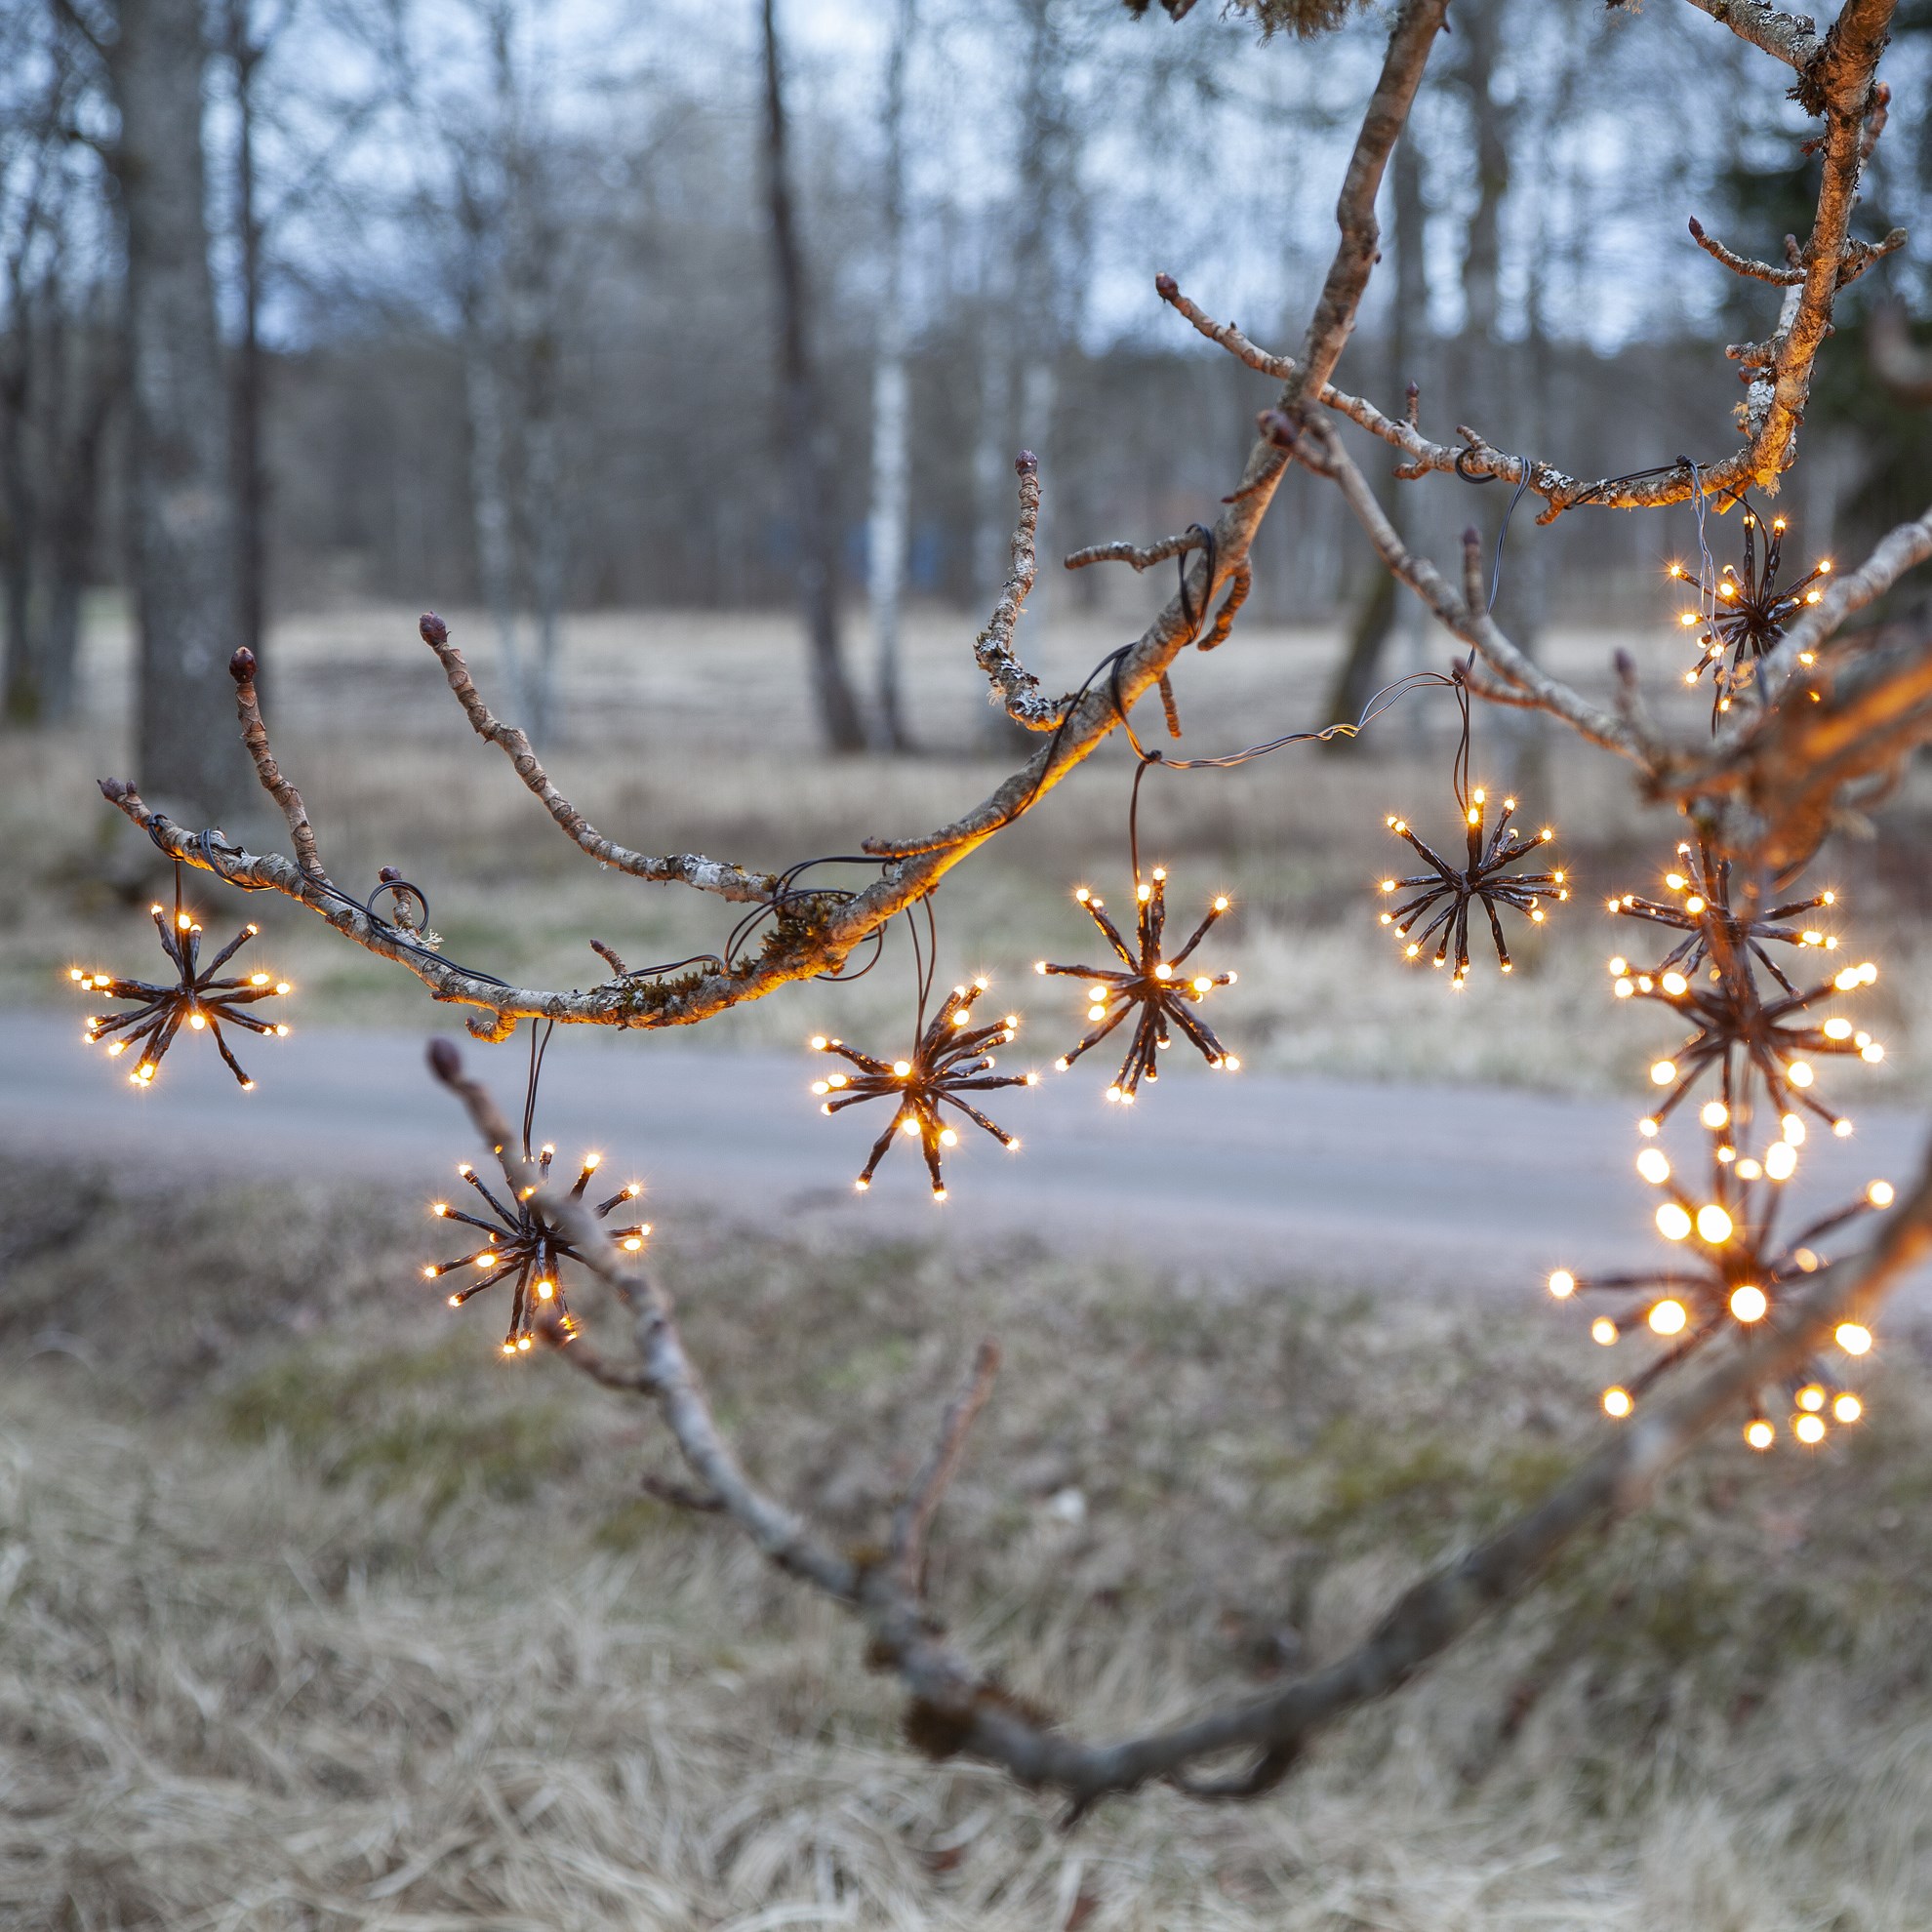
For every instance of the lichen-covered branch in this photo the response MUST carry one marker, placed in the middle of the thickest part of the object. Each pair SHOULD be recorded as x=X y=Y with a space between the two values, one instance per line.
x=1014 y=687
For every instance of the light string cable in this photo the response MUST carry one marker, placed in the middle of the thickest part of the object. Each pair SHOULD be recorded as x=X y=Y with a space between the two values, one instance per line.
x=540 y=1045
x=1522 y=485
x=1389 y=694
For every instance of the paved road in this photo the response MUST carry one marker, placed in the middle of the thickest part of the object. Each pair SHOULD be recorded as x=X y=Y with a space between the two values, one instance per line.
x=1442 y=1187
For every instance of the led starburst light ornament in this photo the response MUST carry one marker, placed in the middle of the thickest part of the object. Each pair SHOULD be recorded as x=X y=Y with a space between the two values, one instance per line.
x=1158 y=992
x=521 y=1245
x=950 y=1058
x=1747 y=613
x=1709 y=979
x=198 y=999
x=1729 y=1270
x=1446 y=891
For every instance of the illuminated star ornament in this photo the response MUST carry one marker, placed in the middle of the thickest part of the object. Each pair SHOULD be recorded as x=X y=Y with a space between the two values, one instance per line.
x=1710 y=980
x=519 y=1244
x=949 y=1060
x=1445 y=892
x=198 y=999
x=1152 y=987
x=1749 y=613
x=1730 y=1272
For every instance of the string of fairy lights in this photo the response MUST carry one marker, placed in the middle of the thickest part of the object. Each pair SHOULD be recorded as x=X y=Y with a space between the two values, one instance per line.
x=1753 y=1028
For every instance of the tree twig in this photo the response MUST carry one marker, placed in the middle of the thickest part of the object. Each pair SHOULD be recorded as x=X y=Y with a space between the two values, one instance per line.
x=914 y=1517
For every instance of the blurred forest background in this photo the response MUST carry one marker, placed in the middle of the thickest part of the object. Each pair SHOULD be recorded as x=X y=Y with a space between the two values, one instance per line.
x=514 y=309
x=679 y=350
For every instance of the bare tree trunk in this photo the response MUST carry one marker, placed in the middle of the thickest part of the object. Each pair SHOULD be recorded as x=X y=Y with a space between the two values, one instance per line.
x=992 y=458
x=891 y=465
x=489 y=504
x=807 y=434
x=182 y=536
x=251 y=479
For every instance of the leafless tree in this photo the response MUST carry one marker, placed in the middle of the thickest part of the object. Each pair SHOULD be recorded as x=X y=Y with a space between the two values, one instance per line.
x=59 y=361
x=891 y=403
x=804 y=425
x=181 y=532
x=1839 y=709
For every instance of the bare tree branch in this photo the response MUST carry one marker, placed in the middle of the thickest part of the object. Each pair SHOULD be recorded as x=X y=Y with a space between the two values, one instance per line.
x=255 y=734
x=686 y=868
x=914 y=1517
x=958 y=1710
x=1014 y=686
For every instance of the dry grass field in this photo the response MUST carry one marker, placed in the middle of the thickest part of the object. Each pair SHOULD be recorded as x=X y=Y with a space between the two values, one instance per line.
x=314 y=1614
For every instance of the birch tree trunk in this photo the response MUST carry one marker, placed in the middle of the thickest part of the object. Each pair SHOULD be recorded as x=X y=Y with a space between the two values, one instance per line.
x=806 y=432
x=890 y=467
x=181 y=533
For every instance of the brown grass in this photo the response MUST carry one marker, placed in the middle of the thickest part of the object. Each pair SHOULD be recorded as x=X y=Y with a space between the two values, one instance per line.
x=688 y=732
x=318 y=1615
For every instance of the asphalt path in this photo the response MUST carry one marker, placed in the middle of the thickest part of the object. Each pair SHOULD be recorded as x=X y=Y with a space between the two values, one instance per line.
x=1379 y=1183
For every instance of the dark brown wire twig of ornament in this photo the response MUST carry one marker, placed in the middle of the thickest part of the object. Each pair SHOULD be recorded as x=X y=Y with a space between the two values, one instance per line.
x=197 y=999
x=520 y=1244
x=950 y=1058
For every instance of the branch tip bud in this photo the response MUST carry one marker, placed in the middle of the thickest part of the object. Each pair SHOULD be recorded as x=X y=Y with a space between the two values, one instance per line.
x=435 y=632
x=241 y=666
x=445 y=1061
x=1025 y=463
x=1166 y=286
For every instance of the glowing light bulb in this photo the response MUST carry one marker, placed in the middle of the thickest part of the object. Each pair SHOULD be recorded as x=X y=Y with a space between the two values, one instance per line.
x=1715 y=1114
x=961 y=1018
x=1144 y=892
x=1694 y=904
x=909 y=1125
x=257 y=979
x=1039 y=965
x=183 y=923
x=1837 y=1029
x=1811 y=1397
x=198 y=1022
x=1759 y=1433
x=1809 y=1430
x=1799 y=1073
x=1871 y=1051
x=439 y=1209
x=1714 y=1225
x=523 y=1344
x=1676 y=984
x=901 y=1068
x=1203 y=984
x=1653 y=1165
x=818 y=1043
x=283 y=987
x=1853 y=1336
x=1617 y=1403
x=431 y=1272
x=1163 y=971
x=1668 y=1317
x=1749 y=1301
x=1781 y=1161
x=1672 y=1222
x=1647 y=1126
x=632 y=1244
x=1604 y=1331
x=546 y=1290
x=1848 y=1408
x=1842 y=1129
x=1675 y=881
x=1562 y=1284
x=1221 y=904
x=1623 y=989
x=947 y=1138
x=1662 y=1072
